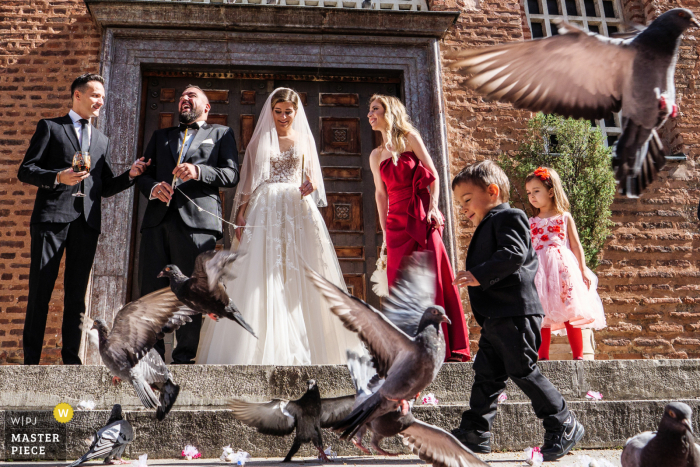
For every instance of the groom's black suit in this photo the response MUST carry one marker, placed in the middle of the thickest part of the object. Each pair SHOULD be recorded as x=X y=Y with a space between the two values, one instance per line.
x=61 y=221
x=176 y=234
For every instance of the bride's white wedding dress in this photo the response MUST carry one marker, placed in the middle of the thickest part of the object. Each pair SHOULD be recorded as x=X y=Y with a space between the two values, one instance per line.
x=293 y=323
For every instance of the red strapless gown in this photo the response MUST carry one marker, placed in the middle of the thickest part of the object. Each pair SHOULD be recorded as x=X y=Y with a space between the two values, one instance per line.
x=407 y=230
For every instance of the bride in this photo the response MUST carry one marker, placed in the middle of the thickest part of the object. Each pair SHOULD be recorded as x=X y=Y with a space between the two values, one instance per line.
x=280 y=228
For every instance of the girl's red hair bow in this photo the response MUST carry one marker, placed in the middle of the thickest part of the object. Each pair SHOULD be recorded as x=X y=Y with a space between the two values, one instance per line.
x=542 y=173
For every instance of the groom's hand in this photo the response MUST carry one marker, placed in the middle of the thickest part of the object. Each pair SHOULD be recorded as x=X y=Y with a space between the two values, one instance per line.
x=163 y=191
x=186 y=171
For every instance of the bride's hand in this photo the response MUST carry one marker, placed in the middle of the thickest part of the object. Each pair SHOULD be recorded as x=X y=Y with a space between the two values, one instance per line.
x=307 y=188
x=240 y=222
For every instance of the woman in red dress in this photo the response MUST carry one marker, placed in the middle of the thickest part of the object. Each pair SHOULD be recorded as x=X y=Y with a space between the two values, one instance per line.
x=407 y=187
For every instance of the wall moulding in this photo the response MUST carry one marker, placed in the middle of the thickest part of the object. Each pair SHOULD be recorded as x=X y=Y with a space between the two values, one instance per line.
x=129 y=54
x=264 y=18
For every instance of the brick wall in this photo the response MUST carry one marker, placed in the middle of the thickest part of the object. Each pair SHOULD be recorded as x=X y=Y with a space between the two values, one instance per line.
x=648 y=277
x=44 y=45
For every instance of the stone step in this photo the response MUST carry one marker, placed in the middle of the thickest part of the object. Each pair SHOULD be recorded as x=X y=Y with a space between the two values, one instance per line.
x=608 y=424
x=211 y=386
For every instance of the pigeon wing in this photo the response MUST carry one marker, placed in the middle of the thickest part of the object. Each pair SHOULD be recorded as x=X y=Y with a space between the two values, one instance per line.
x=107 y=439
x=210 y=269
x=153 y=368
x=335 y=409
x=573 y=74
x=436 y=446
x=632 y=452
x=269 y=418
x=139 y=324
x=383 y=339
x=412 y=292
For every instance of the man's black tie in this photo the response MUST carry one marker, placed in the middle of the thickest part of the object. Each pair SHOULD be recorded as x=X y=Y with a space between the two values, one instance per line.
x=191 y=126
x=84 y=135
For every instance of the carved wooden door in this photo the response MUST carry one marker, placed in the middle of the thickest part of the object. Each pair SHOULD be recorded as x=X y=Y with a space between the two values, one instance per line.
x=337 y=112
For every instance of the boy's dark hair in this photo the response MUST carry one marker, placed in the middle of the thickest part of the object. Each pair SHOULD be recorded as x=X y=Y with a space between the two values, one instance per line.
x=200 y=89
x=483 y=174
x=80 y=83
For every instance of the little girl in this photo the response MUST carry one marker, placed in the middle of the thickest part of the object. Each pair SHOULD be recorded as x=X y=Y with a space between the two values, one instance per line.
x=567 y=288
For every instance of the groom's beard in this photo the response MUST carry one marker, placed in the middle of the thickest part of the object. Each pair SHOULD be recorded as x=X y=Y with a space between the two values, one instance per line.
x=190 y=116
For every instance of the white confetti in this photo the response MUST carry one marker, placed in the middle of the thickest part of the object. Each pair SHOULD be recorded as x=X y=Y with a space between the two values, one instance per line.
x=331 y=454
x=502 y=397
x=594 y=395
x=533 y=456
x=86 y=405
x=141 y=462
x=430 y=399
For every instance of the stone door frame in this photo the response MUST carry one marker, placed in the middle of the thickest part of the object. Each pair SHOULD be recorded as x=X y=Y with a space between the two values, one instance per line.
x=127 y=52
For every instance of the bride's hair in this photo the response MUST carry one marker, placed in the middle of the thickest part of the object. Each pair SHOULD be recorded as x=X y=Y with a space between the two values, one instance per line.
x=398 y=124
x=285 y=95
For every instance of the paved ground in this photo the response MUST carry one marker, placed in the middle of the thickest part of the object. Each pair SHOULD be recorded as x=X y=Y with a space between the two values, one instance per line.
x=501 y=459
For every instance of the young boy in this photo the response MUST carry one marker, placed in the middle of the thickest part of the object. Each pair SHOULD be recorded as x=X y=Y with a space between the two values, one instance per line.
x=500 y=273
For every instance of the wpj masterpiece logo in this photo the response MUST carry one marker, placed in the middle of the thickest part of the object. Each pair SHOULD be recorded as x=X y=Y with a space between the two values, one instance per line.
x=36 y=435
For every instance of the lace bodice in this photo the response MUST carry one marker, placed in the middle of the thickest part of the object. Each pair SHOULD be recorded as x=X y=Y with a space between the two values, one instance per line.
x=548 y=232
x=285 y=167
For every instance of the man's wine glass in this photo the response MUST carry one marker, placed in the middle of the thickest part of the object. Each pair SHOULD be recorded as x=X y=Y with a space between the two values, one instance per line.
x=81 y=163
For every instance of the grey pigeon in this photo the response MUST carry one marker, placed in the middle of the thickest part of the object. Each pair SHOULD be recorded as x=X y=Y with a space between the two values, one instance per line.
x=127 y=350
x=585 y=75
x=307 y=415
x=673 y=445
x=111 y=440
x=432 y=444
x=205 y=292
x=407 y=344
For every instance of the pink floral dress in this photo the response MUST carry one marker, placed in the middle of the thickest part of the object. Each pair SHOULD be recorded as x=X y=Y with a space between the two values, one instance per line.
x=559 y=282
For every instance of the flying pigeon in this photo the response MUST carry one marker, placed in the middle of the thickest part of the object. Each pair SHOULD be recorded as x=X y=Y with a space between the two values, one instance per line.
x=308 y=415
x=585 y=75
x=111 y=440
x=407 y=344
x=205 y=292
x=673 y=445
x=432 y=444
x=127 y=350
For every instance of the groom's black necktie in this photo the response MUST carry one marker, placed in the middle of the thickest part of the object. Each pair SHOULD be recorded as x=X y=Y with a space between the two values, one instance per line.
x=84 y=135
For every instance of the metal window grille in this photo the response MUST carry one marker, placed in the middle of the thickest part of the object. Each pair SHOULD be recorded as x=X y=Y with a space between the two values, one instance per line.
x=599 y=16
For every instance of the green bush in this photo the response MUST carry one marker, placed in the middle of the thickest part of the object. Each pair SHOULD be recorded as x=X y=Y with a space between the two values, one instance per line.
x=578 y=153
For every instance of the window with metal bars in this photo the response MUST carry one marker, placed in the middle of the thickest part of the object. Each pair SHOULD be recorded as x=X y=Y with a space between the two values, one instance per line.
x=598 y=16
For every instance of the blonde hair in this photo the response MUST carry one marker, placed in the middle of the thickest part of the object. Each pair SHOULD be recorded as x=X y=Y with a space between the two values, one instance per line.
x=483 y=174
x=285 y=95
x=398 y=124
x=553 y=182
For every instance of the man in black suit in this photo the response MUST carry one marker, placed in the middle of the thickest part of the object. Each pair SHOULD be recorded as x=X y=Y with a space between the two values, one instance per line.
x=61 y=221
x=500 y=275
x=178 y=232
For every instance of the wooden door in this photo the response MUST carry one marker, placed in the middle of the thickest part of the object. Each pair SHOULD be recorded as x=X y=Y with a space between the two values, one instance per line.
x=337 y=112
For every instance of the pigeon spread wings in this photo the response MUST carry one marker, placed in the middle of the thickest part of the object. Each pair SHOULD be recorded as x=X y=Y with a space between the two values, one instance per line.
x=270 y=418
x=573 y=74
x=412 y=293
x=436 y=446
x=383 y=339
x=213 y=267
x=139 y=324
x=335 y=409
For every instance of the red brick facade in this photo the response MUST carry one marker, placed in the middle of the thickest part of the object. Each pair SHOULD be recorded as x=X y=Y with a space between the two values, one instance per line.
x=44 y=45
x=649 y=275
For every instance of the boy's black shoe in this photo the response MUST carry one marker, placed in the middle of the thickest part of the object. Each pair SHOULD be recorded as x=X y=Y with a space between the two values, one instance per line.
x=558 y=443
x=478 y=441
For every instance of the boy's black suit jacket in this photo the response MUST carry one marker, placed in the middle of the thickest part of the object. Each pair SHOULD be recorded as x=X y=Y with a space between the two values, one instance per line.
x=213 y=149
x=502 y=259
x=50 y=151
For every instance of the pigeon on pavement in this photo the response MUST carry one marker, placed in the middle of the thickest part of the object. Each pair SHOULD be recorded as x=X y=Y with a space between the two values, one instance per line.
x=308 y=415
x=407 y=362
x=432 y=444
x=205 y=292
x=585 y=75
x=673 y=445
x=127 y=350
x=111 y=440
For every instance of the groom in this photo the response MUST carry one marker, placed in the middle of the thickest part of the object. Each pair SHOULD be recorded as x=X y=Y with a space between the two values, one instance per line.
x=174 y=231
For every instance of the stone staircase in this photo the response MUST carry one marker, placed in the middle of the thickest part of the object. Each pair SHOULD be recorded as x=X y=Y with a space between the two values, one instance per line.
x=634 y=391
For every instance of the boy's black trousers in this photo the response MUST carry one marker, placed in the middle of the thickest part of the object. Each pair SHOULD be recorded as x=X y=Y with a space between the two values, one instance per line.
x=508 y=349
